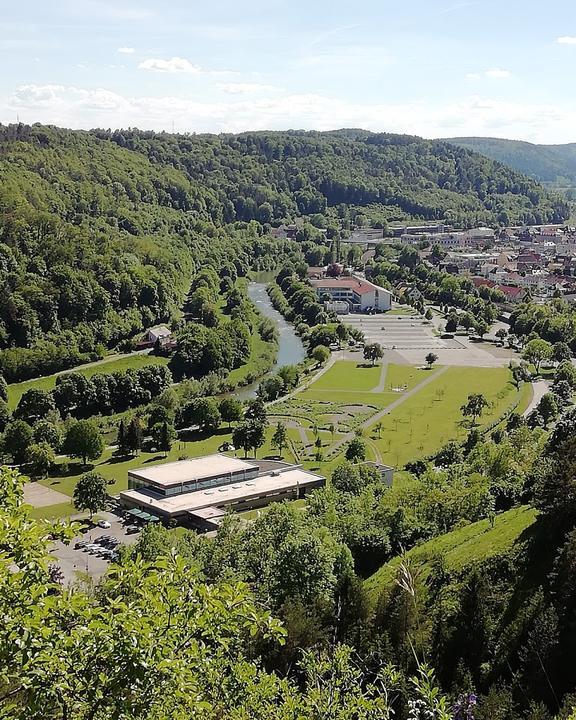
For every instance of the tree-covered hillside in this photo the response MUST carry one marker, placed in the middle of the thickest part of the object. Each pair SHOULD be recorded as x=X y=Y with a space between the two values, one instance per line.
x=100 y=232
x=546 y=163
x=269 y=176
x=96 y=243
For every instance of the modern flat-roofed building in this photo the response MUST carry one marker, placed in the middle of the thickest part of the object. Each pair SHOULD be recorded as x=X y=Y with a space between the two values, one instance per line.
x=359 y=293
x=197 y=492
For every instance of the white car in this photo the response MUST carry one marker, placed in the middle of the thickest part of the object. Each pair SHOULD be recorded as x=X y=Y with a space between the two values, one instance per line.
x=104 y=524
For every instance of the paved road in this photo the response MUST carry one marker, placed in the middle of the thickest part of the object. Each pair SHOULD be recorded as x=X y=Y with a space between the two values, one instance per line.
x=382 y=384
x=539 y=389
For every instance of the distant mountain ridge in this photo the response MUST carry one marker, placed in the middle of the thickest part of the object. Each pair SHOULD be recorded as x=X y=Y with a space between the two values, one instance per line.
x=545 y=163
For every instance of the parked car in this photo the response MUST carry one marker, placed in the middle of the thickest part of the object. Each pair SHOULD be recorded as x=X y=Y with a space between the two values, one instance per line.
x=81 y=544
x=104 y=524
x=131 y=529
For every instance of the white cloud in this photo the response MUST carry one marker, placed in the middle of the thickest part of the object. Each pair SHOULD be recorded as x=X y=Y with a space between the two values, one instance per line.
x=126 y=50
x=70 y=106
x=495 y=73
x=566 y=40
x=246 y=88
x=173 y=65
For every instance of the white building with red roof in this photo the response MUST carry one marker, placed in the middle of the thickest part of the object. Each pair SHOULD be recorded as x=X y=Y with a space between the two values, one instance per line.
x=359 y=293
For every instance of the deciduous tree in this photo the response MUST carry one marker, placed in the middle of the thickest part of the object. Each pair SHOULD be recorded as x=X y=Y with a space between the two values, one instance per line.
x=83 y=440
x=90 y=493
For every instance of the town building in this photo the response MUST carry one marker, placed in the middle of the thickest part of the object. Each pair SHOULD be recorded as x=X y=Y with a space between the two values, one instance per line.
x=198 y=492
x=160 y=334
x=360 y=294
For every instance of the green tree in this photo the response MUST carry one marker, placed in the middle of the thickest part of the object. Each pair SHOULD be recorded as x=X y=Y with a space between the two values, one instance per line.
x=122 y=440
x=163 y=435
x=356 y=450
x=256 y=411
x=290 y=375
x=231 y=410
x=83 y=440
x=249 y=435
x=34 y=405
x=4 y=416
x=133 y=437
x=17 y=437
x=342 y=333
x=481 y=328
x=90 y=493
x=202 y=412
x=501 y=334
x=547 y=408
x=373 y=352
x=3 y=389
x=39 y=458
x=321 y=354
x=48 y=432
x=561 y=352
x=431 y=359
x=537 y=351
x=280 y=438
x=474 y=407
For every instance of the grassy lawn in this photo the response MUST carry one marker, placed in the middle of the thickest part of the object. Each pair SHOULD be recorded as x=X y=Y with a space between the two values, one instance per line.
x=108 y=364
x=428 y=420
x=54 y=512
x=349 y=376
x=459 y=548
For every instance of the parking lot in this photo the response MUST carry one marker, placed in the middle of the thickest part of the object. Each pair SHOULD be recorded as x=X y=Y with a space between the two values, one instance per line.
x=74 y=560
x=401 y=332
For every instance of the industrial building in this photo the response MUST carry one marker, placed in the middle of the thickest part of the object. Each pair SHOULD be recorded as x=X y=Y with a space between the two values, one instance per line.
x=197 y=492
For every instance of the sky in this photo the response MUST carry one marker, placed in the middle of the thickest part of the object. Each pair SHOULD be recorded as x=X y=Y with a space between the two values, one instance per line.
x=436 y=68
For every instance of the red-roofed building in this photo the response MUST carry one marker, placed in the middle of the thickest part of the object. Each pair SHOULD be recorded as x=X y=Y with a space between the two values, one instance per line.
x=512 y=294
x=359 y=293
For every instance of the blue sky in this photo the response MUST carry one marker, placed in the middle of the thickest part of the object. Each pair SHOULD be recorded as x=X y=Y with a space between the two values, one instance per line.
x=436 y=68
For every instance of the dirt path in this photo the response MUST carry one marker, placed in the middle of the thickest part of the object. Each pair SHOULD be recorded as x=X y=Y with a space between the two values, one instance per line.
x=388 y=409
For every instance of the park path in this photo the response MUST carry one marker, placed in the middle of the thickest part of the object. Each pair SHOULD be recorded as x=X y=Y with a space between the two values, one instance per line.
x=539 y=389
x=305 y=385
x=382 y=384
x=388 y=409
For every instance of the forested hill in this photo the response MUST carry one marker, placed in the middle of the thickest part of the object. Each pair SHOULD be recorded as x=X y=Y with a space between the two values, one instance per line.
x=100 y=231
x=269 y=176
x=545 y=163
x=97 y=243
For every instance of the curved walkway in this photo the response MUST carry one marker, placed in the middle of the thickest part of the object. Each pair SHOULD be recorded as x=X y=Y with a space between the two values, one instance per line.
x=539 y=389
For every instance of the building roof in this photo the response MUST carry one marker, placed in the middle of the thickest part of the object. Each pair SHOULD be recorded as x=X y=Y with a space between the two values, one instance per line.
x=161 y=331
x=358 y=285
x=270 y=484
x=198 y=468
x=510 y=291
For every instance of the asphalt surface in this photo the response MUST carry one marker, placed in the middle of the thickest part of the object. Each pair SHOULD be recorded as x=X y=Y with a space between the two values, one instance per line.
x=76 y=562
x=400 y=332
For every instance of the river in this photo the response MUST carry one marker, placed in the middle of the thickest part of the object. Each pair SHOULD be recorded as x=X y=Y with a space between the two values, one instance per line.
x=290 y=347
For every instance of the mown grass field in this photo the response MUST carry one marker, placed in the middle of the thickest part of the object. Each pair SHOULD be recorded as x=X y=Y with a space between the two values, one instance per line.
x=108 y=364
x=459 y=548
x=432 y=417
